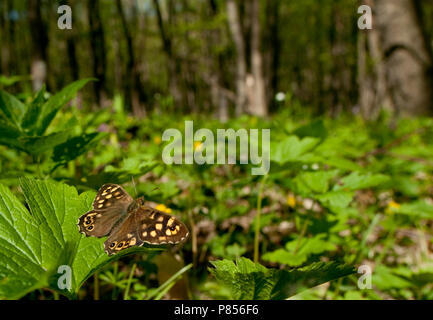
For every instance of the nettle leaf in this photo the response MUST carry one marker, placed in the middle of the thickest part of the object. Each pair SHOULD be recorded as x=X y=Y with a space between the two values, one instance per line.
x=316 y=182
x=31 y=115
x=76 y=146
x=292 y=148
x=50 y=108
x=11 y=109
x=38 y=145
x=249 y=280
x=34 y=243
x=356 y=181
x=297 y=252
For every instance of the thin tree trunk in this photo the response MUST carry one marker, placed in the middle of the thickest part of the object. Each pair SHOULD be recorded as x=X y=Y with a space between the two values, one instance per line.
x=407 y=55
x=38 y=29
x=241 y=66
x=131 y=77
x=219 y=99
x=98 y=51
x=173 y=64
x=258 y=105
x=272 y=51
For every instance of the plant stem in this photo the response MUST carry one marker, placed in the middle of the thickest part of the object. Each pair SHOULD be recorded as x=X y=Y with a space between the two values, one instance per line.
x=128 y=285
x=168 y=284
x=259 y=210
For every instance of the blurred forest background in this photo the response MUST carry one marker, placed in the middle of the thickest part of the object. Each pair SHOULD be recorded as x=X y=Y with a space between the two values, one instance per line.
x=227 y=58
x=351 y=176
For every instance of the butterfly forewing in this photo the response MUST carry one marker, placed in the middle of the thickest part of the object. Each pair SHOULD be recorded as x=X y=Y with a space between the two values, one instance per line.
x=109 y=208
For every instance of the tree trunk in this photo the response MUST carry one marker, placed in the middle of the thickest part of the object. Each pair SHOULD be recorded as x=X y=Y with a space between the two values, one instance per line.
x=98 y=51
x=241 y=66
x=258 y=105
x=218 y=95
x=132 y=82
x=39 y=34
x=407 y=56
x=173 y=63
x=272 y=51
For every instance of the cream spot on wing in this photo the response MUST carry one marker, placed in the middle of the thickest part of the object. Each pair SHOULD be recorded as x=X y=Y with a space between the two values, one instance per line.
x=177 y=227
x=170 y=221
x=168 y=232
x=133 y=241
x=162 y=238
x=108 y=204
x=153 y=233
x=158 y=226
x=98 y=215
x=129 y=235
x=100 y=206
x=108 y=196
x=144 y=226
x=145 y=234
x=161 y=218
x=117 y=194
x=101 y=201
x=114 y=189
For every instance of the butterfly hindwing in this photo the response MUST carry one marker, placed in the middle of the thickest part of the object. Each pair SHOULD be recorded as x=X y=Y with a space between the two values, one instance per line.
x=145 y=225
x=161 y=228
x=109 y=207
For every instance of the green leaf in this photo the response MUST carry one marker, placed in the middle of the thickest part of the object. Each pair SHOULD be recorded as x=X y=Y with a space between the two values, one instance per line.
x=37 y=145
x=316 y=182
x=297 y=252
x=316 y=129
x=56 y=102
x=11 y=109
x=292 y=148
x=9 y=135
x=76 y=146
x=32 y=113
x=420 y=209
x=335 y=200
x=33 y=245
x=249 y=280
x=8 y=81
x=356 y=181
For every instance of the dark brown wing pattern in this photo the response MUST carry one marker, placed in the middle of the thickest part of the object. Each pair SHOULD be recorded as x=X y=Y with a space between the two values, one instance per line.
x=109 y=207
x=146 y=225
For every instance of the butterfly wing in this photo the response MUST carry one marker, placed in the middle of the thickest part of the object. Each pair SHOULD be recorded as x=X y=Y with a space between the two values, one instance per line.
x=145 y=225
x=109 y=208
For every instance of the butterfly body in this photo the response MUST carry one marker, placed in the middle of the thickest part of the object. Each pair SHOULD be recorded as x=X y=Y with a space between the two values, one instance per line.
x=128 y=222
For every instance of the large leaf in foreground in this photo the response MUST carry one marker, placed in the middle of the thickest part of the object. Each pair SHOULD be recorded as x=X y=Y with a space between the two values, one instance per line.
x=248 y=280
x=33 y=245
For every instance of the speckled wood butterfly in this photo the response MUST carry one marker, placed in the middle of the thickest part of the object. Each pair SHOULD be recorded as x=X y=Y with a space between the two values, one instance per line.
x=128 y=222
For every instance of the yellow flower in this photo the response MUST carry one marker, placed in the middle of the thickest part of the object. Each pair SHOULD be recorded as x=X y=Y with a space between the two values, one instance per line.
x=163 y=208
x=198 y=145
x=392 y=207
x=157 y=140
x=291 y=200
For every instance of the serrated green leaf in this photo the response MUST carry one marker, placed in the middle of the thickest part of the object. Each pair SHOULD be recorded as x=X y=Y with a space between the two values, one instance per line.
x=292 y=148
x=34 y=244
x=56 y=102
x=76 y=146
x=249 y=280
x=356 y=181
x=11 y=109
x=38 y=145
